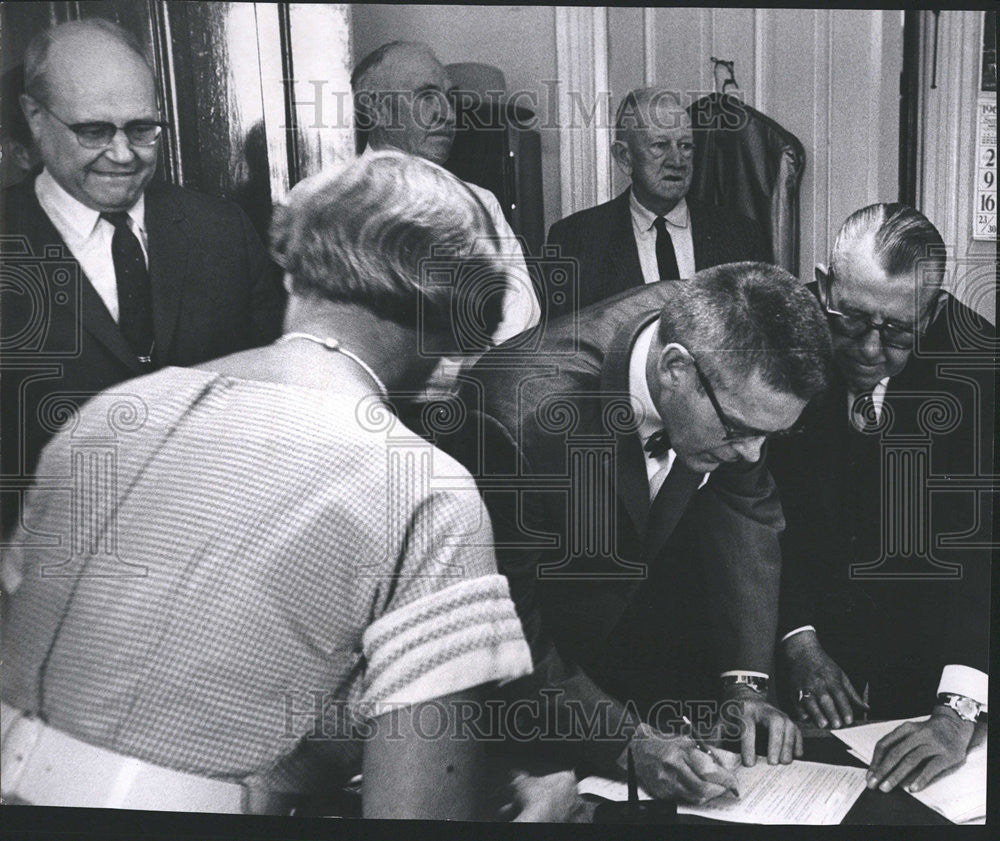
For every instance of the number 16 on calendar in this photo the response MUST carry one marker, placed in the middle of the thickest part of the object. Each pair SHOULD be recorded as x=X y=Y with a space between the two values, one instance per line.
x=984 y=211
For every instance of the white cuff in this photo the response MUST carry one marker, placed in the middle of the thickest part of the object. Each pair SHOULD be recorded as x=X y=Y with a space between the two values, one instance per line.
x=738 y=672
x=964 y=680
x=798 y=631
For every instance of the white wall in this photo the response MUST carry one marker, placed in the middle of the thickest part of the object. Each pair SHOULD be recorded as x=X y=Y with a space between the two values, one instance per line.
x=829 y=76
x=520 y=40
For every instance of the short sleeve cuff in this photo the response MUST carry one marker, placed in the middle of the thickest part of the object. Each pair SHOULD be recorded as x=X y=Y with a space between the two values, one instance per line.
x=457 y=638
x=967 y=681
x=791 y=634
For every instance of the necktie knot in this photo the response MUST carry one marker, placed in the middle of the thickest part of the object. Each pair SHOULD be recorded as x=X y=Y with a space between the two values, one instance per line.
x=118 y=218
x=865 y=412
x=658 y=444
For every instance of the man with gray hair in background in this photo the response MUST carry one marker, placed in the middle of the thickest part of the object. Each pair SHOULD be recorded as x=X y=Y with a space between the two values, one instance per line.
x=652 y=231
x=402 y=101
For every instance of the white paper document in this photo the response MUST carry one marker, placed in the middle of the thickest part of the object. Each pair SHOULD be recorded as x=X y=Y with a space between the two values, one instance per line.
x=800 y=793
x=959 y=795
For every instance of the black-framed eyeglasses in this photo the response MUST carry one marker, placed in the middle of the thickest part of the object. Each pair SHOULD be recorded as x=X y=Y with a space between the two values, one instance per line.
x=736 y=431
x=97 y=135
x=854 y=325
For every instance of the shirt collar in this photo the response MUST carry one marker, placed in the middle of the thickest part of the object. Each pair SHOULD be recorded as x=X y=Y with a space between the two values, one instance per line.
x=644 y=217
x=74 y=214
x=638 y=388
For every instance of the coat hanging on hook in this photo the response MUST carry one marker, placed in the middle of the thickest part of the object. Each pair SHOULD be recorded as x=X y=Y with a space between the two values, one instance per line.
x=747 y=162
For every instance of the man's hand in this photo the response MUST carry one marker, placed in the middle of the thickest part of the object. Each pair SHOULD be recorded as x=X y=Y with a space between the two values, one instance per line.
x=825 y=693
x=673 y=768
x=932 y=746
x=784 y=739
x=546 y=798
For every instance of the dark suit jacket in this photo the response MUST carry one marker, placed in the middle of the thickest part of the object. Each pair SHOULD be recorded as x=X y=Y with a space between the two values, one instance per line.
x=214 y=292
x=877 y=522
x=553 y=447
x=601 y=240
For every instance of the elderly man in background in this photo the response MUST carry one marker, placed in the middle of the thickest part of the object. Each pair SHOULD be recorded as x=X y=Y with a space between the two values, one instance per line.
x=652 y=231
x=870 y=596
x=401 y=94
x=259 y=634
x=587 y=458
x=125 y=275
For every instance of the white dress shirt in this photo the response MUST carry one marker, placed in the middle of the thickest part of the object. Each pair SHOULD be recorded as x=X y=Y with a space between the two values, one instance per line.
x=88 y=237
x=521 y=310
x=678 y=225
x=650 y=422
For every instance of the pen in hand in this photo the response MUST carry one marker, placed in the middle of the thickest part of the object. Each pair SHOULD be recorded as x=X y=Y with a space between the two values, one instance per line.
x=864 y=699
x=704 y=748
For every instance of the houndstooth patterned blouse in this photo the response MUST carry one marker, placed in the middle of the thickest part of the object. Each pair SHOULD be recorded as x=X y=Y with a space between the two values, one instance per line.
x=233 y=578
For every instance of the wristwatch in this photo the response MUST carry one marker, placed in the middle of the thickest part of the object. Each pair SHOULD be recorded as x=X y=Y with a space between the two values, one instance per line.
x=964 y=707
x=757 y=682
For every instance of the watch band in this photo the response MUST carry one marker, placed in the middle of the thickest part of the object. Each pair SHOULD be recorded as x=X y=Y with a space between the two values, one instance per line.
x=966 y=708
x=758 y=683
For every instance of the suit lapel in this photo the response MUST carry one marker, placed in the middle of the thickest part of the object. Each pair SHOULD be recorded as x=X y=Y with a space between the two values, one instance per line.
x=701 y=238
x=622 y=270
x=671 y=501
x=169 y=251
x=94 y=315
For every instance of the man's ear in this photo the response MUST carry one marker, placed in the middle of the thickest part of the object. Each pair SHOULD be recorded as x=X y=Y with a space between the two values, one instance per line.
x=623 y=156
x=673 y=366
x=32 y=111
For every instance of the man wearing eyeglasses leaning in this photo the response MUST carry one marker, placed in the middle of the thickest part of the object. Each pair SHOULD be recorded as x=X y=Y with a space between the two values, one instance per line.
x=119 y=276
x=588 y=454
x=885 y=576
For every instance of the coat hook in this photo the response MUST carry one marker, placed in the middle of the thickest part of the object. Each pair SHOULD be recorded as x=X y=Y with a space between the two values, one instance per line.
x=728 y=65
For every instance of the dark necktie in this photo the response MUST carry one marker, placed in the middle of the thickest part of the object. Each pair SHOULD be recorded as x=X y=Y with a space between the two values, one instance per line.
x=666 y=260
x=658 y=444
x=135 y=300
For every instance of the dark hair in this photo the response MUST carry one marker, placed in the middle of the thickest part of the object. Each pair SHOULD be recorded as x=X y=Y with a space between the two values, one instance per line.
x=364 y=235
x=903 y=241
x=36 y=56
x=740 y=318
x=365 y=90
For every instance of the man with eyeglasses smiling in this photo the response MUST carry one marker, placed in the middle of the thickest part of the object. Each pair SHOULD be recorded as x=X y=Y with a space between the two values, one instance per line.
x=885 y=562
x=119 y=275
